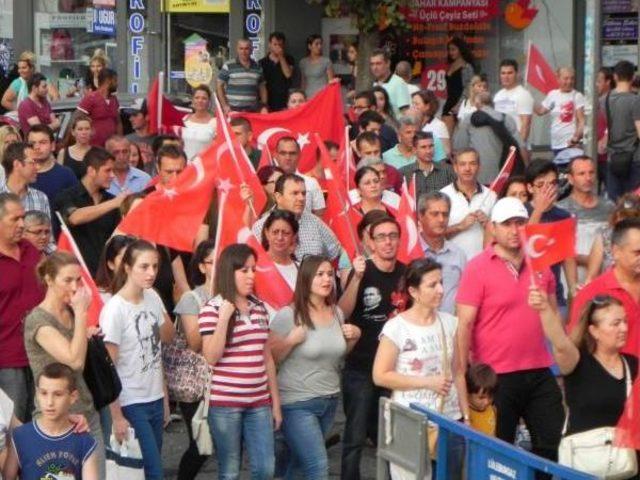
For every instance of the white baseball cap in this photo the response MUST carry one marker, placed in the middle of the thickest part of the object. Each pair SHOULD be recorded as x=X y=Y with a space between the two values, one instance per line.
x=506 y=208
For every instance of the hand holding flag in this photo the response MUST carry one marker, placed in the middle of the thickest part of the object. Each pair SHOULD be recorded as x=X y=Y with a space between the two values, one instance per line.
x=539 y=73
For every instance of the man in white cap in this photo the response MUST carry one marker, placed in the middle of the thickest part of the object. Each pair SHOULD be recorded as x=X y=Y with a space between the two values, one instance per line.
x=498 y=327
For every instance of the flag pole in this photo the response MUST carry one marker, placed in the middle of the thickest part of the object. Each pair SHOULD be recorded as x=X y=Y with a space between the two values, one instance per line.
x=160 y=94
x=527 y=258
x=348 y=155
x=72 y=241
x=227 y=138
x=222 y=199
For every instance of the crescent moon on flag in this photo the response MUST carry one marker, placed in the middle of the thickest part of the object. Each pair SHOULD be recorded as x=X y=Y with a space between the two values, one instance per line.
x=531 y=246
x=412 y=232
x=264 y=137
x=197 y=164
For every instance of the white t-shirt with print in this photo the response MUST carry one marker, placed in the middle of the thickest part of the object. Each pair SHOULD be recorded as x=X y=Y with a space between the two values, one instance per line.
x=514 y=102
x=135 y=329
x=563 y=107
x=421 y=354
x=6 y=414
x=437 y=128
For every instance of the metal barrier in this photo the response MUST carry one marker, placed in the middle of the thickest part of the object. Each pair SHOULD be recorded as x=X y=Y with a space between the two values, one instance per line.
x=490 y=458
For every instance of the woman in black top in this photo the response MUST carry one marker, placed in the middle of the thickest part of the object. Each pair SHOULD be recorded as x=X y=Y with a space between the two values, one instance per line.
x=461 y=69
x=592 y=361
x=76 y=144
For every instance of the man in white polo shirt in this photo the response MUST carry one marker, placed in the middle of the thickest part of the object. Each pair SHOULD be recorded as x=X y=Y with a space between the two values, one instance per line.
x=515 y=100
x=471 y=204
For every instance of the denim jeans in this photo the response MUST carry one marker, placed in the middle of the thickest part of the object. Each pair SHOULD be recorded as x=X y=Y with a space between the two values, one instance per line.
x=233 y=427
x=616 y=186
x=17 y=383
x=305 y=425
x=360 y=399
x=191 y=461
x=146 y=419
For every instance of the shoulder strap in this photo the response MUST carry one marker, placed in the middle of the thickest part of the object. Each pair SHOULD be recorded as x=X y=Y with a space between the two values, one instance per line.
x=627 y=375
x=445 y=359
x=607 y=110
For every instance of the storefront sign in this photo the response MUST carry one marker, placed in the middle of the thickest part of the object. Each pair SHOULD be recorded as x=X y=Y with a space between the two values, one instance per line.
x=254 y=26
x=104 y=22
x=612 y=54
x=104 y=3
x=197 y=6
x=452 y=10
x=619 y=6
x=616 y=28
x=197 y=66
x=62 y=20
x=136 y=23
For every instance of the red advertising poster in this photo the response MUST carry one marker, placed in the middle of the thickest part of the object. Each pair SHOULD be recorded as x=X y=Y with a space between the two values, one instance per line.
x=420 y=11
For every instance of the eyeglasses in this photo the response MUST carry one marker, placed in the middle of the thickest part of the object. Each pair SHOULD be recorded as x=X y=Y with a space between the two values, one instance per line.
x=42 y=232
x=598 y=302
x=381 y=237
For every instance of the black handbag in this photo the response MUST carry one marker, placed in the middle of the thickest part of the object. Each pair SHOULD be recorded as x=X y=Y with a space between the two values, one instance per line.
x=100 y=374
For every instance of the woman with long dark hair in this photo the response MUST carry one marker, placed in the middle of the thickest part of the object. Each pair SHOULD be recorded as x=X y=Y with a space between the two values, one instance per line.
x=310 y=340
x=315 y=70
x=280 y=239
x=77 y=143
x=135 y=324
x=244 y=406
x=187 y=311
x=461 y=67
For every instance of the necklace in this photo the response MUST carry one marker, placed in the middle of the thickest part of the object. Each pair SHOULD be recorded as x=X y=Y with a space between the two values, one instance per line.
x=610 y=368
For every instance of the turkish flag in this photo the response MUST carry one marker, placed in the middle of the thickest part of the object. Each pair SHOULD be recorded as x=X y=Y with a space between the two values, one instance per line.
x=546 y=244
x=270 y=285
x=500 y=181
x=172 y=214
x=66 y=243
x=539 y=73
x=322 y=114
x=171 y=117
x=628 y=429
x=345 y=161
x=339 y=215
x=409 y=248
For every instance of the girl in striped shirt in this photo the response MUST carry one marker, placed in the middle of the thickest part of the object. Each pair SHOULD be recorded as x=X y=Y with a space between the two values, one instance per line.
x=244 y=407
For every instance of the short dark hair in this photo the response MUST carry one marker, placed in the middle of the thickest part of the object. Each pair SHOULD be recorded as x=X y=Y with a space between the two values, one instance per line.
x=264 y=173
x=578 y=158
x=170 y=151
x=5 y=198
x=58 y=371
x=514 y=179
x=420 y=135
x=509 y=62
x=415 y=271
x=434 y=196
x=539 y=167
x=14 y=151
x=380 y=221
x=607 y=73
x=361 y=172
x=203 y=250
x=159 y=140
x=240 y=122
x=278 y=36
x=278 y=214
x=369 y=116
x=293 y=91
x=42 y=128
x=202 y=88
x=624 y=70
x=368 y=94
x=106 y=74
x=621 y=228
x=279 y=187
x=368 y=219
x=381 y=52
x=369 y=137
x=481 y=378
x=96 y=157
x=289 y=139
x=35 y=80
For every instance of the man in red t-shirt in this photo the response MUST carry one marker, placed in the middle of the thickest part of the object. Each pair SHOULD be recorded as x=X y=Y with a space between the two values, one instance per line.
x=103 y=108
x=20 y=292
x=498 y=327
x=621 y=281
x=36 y=109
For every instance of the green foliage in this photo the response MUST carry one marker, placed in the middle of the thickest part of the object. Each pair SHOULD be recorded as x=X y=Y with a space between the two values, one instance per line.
x=369 y=15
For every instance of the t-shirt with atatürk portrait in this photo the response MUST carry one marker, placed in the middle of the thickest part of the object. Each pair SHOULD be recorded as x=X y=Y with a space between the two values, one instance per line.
x=377 y=300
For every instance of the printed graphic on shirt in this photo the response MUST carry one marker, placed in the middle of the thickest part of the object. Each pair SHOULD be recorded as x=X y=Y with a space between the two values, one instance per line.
x=371 y=299
x=566 y=111
x=147 y=327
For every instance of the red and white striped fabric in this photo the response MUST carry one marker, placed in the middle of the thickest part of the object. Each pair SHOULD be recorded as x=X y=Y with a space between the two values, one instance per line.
x=239 y=378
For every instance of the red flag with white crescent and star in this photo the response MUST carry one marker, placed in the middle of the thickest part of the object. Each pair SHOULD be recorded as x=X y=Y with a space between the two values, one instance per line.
x=505 y=172
x=270 y=285
x=322 y=114
x=66 y=243
x=539 y=73
x=409 y=248
x=546 y=244
x=172 y=214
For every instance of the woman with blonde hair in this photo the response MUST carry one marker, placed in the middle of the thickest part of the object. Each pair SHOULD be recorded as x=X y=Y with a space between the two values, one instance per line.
x=98 y=62
x=18 y=89
x=478 y=84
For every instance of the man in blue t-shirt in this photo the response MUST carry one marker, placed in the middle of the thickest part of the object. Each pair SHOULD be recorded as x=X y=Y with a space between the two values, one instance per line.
x=48 y=447
x=542 y=184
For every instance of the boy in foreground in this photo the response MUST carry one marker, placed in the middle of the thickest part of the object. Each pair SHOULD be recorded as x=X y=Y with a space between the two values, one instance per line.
x=48 y=447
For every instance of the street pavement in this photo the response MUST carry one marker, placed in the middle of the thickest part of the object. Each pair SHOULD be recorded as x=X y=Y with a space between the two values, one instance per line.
x=175 y=443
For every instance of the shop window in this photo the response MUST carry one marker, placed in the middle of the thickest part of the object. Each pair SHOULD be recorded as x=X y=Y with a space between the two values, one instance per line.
x=67 y=34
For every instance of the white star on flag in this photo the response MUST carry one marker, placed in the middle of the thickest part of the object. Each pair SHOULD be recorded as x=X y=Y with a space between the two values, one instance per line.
x=170 y=192
x=224 y=185
x=303 y=139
